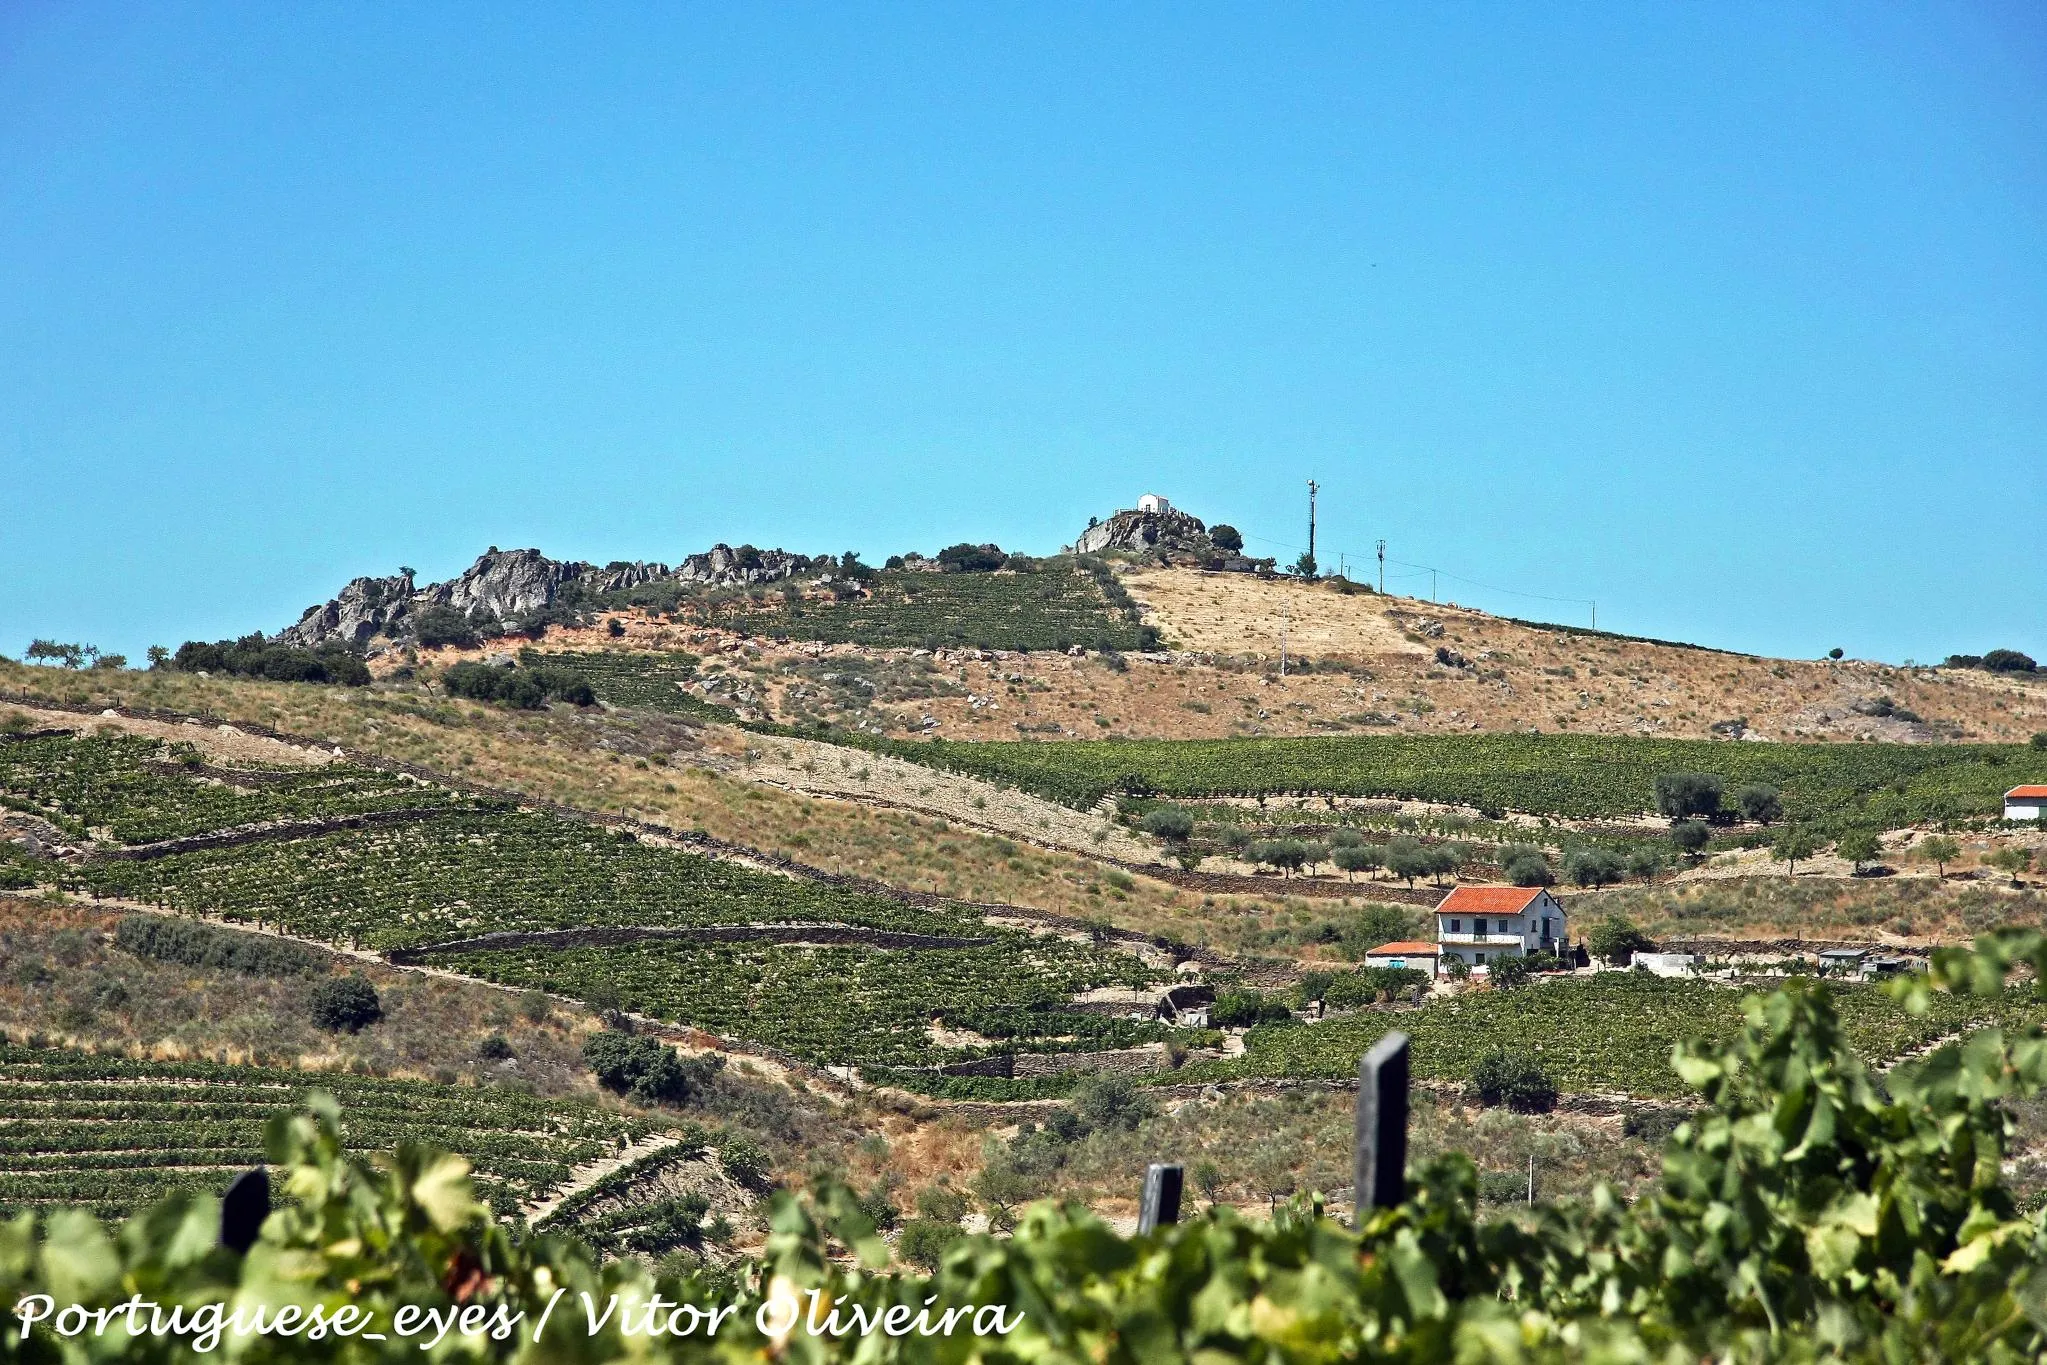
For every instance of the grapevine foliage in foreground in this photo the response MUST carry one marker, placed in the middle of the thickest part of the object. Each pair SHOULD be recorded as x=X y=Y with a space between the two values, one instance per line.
x=1577 y=776
x=1806 y=1213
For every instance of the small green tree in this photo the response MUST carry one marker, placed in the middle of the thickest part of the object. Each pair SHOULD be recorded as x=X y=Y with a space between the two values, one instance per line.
x=1690 y=837
x=1594 y=867
x=1208 y=1178
x=2014 y=859
x=1938 y=850
x=1685 y=796
x=1407 y=859
x=1355 y=858
x=1794 y=844
x=1616 y=939
x=1226 y=538
x=1645 y=861
x=1169 y=823
x=1526 y=865
x=1759 y=802
x=1859 y=846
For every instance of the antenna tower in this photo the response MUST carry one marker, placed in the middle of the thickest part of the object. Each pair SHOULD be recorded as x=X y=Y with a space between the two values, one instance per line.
x=1311 y=521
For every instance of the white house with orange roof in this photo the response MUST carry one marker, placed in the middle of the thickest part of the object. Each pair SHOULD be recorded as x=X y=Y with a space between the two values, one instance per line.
x=2026 y=803
x=1482 y=924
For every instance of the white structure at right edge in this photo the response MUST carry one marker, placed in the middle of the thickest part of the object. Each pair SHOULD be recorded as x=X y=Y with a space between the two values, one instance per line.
x=1483 y=924
x=1152 y=502
x=2026 y=803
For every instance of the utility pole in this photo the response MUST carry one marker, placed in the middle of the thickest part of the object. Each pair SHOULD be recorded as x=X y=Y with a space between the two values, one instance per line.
x=1311 y=521
x=1595 y=616
x=1432 y=585
x=1382 y=568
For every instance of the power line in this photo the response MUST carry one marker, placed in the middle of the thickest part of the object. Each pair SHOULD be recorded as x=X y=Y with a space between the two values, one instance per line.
x=1434 y=571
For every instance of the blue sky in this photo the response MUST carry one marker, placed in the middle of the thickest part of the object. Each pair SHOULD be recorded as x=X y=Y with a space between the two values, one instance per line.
x=1733 y=318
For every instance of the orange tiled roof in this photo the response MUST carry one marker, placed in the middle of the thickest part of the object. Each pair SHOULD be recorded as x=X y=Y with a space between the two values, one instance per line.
x=2034 y=790
x=1488 y=900
x=1408 y=949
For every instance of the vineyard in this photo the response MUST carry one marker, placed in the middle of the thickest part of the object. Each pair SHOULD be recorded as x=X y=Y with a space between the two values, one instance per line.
x=654 y=682
x=121 y=785
x=1583 y=777
x=1055 y=607
x=826 y=1005
x=469 y=874
x=1611 y=1032
x=115 y=1134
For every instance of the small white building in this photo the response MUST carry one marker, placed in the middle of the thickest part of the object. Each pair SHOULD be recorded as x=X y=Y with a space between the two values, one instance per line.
x=1478 y=923
x=1408 y=953
x=2026 y=803
x=1152 y=502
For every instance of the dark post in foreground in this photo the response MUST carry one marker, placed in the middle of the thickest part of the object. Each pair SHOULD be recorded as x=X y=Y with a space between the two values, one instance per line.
x=1381 y=1166
x=243 y=1209
x=1161 y=1202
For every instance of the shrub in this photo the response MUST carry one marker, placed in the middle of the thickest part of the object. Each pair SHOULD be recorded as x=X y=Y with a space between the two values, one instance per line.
x=647 y=1070
x=1169 y=823
x=1372 y=926
x=1226 y=537
x=924 y=1241
x=495 y=1048
x=1515 y=1080
x=965 y=558
x=1244 y=1009
x=254 y=657
x=745 y=1160
x=1509 y=971
x=345 y=1004
x=1686 y=795
x=203 y=945
x=1113 y=1103
x=2008 y=661
x=525 y=688
x=441 y=625
x=1617 y=939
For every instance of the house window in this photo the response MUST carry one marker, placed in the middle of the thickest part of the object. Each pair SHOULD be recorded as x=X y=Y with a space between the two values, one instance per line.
x=1478 y=927
x=1478 y=959
x=1456 y=926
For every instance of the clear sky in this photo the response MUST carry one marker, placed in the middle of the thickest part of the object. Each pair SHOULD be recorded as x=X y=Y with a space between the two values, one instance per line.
x=1731 y=317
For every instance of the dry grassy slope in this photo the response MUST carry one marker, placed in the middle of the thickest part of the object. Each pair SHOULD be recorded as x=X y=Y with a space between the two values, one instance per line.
x=1521 y=677
x=1383 y=648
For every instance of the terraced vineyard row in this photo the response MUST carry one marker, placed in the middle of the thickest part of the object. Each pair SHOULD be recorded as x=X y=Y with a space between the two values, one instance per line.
x=1611 y=1032
x=115 y=1134
x=470 y=874
x=652 y=681
x=1565 y=775
x=119 y=784
x=1054 y=608
x=829 y=1006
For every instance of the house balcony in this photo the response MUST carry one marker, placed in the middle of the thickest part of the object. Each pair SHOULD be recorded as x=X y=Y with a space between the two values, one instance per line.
x=1484 y=940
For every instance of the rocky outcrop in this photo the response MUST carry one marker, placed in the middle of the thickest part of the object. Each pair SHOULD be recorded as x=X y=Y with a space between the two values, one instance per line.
x=722 y=566
x=1145 y=531
x=365 y=608
x=509 y=586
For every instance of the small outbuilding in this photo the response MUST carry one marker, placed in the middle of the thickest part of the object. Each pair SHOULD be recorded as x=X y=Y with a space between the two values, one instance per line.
x=1423 y=957
x=2026 y=803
